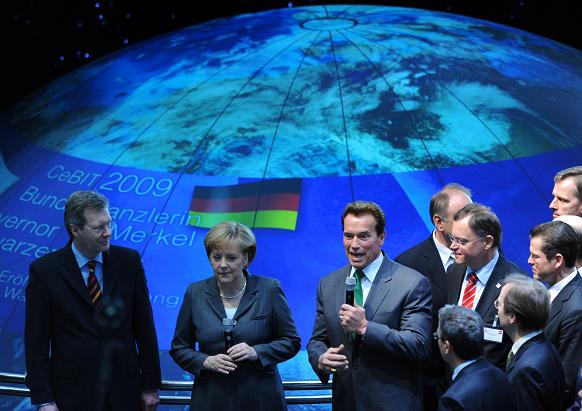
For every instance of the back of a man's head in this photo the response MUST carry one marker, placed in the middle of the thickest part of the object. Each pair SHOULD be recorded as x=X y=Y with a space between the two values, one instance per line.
x=463 y=328
x=528 y=300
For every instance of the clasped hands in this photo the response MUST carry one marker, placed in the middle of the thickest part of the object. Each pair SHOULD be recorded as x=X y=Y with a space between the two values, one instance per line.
x=226 y=363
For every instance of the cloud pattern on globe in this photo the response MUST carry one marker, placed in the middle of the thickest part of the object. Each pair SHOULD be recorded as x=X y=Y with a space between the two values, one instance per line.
x=316 y=91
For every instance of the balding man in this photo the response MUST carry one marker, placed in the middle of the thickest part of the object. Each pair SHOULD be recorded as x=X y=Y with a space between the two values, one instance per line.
x=567 y=192
x=431 y=258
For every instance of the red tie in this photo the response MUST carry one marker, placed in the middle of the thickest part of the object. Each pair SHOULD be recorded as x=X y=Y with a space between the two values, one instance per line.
x=92 y=283
x=470 y=291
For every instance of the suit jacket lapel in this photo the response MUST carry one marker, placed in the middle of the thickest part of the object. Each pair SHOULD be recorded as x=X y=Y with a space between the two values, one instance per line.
x=432 y=260
x=72 y=273
x=455 y=277
x=249 y=297
x=563 y=296
x=492 y=288
x=380 y=288
x=535 y=340
x=110 y=272
x=213 y=298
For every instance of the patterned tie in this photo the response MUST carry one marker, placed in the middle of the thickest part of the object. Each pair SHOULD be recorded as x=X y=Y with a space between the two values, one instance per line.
x=92 y=283
x=470 y=291
x=358 y=292
x=509 y=359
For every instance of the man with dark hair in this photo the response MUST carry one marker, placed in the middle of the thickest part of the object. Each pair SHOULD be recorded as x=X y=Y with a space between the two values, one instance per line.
x=553 y=250
x=534 y=368
x=474 y=281
x=567 y=192
x=477 y=384
x=431 y=258
x=90 y=340
x=374 y=348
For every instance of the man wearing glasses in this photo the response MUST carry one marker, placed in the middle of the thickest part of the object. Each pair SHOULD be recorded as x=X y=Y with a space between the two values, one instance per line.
x=475 y=280
x=88 y=315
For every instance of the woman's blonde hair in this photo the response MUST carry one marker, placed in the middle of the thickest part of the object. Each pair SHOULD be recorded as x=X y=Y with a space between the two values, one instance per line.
x=231 y=233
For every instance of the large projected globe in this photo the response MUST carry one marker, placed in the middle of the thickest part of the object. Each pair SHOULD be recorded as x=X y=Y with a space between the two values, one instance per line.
x=320 y=104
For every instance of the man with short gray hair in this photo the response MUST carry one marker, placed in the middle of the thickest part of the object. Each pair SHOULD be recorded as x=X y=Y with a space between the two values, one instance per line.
x=534 y=368
x=477 y=384
x=90 y=340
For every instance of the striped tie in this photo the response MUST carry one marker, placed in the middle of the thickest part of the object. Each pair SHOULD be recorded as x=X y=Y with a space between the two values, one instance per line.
x=92 y=283
x=470 y=291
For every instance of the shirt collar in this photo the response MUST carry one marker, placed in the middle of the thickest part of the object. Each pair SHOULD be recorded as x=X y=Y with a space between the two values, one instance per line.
x=81 y=259
x=484 y=272
x=517 y=345
x=445 y=253
x=461 y=367
x=371 y=269
x=559 y=286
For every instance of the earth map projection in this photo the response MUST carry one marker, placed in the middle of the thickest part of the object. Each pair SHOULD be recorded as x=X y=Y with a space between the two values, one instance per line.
x=345 y=102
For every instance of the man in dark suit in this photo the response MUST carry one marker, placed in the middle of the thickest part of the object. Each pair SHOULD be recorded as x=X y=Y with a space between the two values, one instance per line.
x=87 y=307
x=477 y=384
x=567 y=192
x=475 y=280
x=534 y=368
x=431 y=258
x=553 y=250
x=373 y=348
x=576 y=223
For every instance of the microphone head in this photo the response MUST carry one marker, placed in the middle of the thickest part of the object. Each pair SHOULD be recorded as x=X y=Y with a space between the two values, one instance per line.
x=350 y=283
x=227 y=324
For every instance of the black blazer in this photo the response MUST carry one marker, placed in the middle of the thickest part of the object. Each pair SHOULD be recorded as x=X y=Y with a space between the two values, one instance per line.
x=537 y=377
x=64 y=344
x=496 y=353
x=564 y=330
x=263 y=321
x=479 y=387
x=424 y=258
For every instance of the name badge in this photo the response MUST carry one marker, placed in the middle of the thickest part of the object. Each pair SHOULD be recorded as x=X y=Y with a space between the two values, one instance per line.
x=493 y=334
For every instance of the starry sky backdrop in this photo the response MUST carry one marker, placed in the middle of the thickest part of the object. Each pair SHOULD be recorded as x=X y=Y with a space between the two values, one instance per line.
x=47 y=39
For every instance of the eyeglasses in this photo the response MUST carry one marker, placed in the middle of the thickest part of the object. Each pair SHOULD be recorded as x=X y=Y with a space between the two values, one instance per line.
x=101 y=229
x=462 y=241
x=435 y=336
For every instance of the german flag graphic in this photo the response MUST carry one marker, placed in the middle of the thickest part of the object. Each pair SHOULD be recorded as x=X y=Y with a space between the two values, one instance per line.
x=262 y=204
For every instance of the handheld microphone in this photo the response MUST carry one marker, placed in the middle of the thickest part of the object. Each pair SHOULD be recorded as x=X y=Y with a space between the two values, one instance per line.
x=350 y=286
x=227 y=326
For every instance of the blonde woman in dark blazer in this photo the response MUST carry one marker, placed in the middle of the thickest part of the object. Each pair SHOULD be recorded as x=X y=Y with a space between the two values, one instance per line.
x=264 y=334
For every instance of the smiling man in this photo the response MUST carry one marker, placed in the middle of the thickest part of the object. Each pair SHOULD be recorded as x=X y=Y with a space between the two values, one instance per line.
x=75 y=360
x=475 y=280
x=567 y=192
x=374 y=349
x=553 y=250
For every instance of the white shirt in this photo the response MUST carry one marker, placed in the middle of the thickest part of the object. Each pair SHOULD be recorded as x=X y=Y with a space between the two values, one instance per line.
x=483 y=275
x=370 y=272
x=445 y=253
x=460 y=368
x=517 y=345
x=559 y=286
